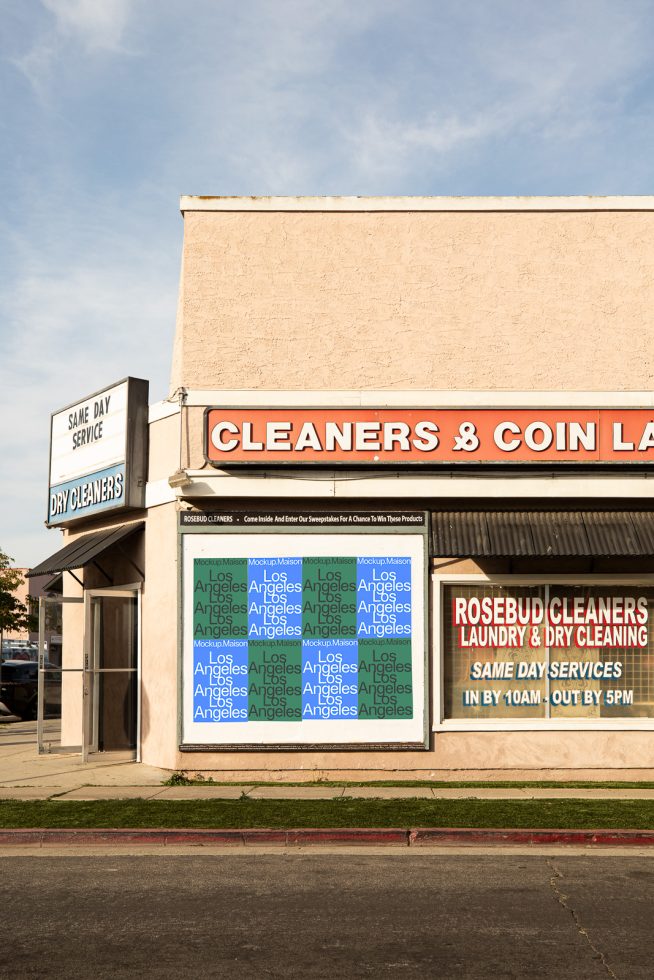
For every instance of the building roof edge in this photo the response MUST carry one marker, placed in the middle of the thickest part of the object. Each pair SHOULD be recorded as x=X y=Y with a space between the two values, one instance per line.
x=372 y=204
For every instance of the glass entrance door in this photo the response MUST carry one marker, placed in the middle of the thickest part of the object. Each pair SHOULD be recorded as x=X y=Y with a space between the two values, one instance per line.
x=111 y=671
x=60 y=676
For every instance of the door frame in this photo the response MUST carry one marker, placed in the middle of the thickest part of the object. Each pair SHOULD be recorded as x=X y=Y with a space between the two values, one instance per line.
x=89 y=731
x=41 y=748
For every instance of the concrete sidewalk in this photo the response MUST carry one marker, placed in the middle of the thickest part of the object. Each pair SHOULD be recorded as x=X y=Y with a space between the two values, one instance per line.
x=24 y=775
x=149 y=792
x=20 y=766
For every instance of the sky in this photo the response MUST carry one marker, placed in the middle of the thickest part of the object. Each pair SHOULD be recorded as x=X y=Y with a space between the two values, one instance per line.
x=111 y=109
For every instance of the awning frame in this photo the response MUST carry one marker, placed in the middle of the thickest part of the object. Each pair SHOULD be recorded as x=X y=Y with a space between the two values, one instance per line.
x=86 y=549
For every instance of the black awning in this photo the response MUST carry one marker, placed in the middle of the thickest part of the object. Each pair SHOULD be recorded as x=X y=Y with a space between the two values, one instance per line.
x=542 y=533
x=84 y=550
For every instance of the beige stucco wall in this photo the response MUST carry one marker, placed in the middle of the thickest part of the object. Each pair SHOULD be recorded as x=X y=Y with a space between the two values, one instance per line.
x=163 y=454
x=454 y=755
x=476 y=300
x=159 y=671
x=72 y=662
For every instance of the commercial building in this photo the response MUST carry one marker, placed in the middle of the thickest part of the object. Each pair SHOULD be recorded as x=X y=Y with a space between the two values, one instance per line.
x=394 y=519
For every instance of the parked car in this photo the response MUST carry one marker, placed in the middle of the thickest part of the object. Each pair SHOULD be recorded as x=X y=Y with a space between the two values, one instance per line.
x=19 y=650
x=19 y=685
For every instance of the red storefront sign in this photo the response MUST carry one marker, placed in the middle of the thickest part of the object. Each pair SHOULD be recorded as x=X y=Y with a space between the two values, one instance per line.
x=381 y=436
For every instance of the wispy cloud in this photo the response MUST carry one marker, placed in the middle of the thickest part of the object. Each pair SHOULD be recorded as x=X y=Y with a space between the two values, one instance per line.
x=265 y=96
x=384 y=145
x=563 y=73
x=89 y=25
x=95 y=23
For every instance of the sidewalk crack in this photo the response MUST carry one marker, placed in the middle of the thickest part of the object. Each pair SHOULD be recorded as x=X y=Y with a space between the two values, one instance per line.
x=562 y=899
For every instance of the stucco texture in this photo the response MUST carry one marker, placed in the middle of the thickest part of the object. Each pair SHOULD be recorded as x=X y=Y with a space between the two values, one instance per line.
x=159 y=672
x=499 y=300
x=463 y=755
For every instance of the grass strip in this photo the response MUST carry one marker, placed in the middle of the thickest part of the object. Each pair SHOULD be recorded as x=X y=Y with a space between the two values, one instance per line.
x=343 y=812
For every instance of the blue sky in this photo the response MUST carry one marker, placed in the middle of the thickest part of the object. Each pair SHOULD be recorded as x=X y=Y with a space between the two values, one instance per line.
x=110 y=109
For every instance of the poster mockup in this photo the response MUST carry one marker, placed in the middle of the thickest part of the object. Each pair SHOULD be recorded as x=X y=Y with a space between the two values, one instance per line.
x=303 y=639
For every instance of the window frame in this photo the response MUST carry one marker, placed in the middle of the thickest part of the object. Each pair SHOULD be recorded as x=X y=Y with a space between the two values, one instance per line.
x=441 y=724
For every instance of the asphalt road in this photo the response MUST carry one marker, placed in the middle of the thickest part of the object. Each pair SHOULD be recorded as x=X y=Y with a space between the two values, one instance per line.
x=328 y=915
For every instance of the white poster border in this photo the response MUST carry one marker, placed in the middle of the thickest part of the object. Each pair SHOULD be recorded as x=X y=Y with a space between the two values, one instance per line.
x=307 y=733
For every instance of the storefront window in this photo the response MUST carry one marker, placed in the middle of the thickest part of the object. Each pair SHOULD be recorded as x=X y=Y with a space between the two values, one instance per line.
x=548 y=652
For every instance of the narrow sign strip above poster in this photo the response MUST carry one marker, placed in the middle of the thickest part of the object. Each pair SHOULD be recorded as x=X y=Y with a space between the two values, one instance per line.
x=378 y=436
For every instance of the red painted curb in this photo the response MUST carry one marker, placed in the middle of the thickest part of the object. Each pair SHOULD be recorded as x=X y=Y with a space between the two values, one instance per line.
x=231 y=837
x=282 y=838
x=488 y=837
x=386 y=836
x=419 y=837
x=20 y=836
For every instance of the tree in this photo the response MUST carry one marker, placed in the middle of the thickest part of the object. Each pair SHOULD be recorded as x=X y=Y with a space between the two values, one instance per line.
x=14 y=615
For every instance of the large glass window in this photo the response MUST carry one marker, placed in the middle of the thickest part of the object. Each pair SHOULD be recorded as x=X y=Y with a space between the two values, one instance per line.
x=548 y=652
